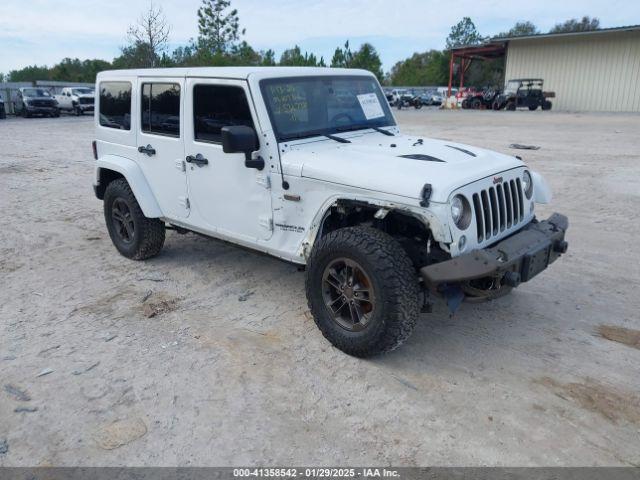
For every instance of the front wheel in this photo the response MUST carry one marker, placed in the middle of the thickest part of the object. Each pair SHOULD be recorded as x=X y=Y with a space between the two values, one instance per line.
x=134 y=235
x=362 y=291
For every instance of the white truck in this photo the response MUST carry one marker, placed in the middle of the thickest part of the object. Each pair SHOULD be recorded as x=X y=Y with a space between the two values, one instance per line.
x=76 y=100
x=309 y=165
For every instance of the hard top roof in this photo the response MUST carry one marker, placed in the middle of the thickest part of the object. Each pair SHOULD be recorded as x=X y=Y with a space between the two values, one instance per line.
x=242 y=73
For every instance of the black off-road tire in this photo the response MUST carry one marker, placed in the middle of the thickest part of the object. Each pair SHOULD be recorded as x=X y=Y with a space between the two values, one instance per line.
x=149 y=233
x=511 y=106
x=395 y=285
x=546 y=105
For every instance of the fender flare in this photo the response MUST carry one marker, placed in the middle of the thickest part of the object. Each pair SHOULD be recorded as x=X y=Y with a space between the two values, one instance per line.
x=431 y=221
x=136 y=179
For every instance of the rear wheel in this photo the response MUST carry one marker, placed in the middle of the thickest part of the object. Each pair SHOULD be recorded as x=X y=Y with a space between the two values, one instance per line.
x=362 y=290
x=511 y=106
x=546 y=105
x=134 y=235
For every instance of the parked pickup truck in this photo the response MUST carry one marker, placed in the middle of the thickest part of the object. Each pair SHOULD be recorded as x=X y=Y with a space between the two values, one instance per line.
x=76 y=99
x=36 y=101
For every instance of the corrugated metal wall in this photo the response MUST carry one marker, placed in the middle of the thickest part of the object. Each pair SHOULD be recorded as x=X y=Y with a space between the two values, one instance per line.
x=599 y=72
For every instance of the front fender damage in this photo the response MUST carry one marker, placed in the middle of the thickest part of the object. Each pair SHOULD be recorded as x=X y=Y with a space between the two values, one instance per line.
x=428 y=218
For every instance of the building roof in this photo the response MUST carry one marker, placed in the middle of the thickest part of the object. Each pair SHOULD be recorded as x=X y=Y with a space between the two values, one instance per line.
x=628 y=28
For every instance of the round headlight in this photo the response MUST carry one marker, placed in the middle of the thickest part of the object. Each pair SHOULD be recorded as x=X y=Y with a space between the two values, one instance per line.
x=527 y=184
x=460 y=212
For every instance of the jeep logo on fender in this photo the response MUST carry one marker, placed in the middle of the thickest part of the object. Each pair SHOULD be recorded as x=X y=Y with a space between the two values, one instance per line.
x=497 y=180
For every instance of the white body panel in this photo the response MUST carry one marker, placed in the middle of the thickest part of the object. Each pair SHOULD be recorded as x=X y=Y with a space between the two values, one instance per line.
x=252 y=208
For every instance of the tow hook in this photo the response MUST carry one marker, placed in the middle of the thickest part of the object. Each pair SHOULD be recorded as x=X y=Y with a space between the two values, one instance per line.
x=561 y=246
x=512 y=279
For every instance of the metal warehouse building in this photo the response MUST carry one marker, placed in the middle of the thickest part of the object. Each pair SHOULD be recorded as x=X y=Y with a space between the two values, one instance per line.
x=592 y=71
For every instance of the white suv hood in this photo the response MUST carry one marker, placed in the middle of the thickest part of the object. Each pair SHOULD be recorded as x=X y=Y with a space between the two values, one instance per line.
x=374 y=162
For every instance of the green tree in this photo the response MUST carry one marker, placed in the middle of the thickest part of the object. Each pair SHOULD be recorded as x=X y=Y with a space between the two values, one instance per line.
x=366 y=57
x=342 y=57
x=269 y=58
x=218 y=27
x=30 y=74
x=135 y=56
x=520 y=29
x=585 y=24
x=421 y=69
x=464 y=33
x=293 y=57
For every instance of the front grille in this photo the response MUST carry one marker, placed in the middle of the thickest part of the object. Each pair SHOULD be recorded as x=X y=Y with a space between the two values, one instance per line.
x=86 y=101
x=498 y=208
x=42 y=103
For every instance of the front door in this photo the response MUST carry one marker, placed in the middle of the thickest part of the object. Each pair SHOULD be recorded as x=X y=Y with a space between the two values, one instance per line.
x=160 y=142
x=230 y=198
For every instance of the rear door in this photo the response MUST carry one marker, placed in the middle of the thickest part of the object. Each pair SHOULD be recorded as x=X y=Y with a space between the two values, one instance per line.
x=160 y=142
x=229 y=198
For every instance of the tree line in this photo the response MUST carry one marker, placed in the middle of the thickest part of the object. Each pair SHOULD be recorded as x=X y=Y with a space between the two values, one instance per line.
x=220 y=43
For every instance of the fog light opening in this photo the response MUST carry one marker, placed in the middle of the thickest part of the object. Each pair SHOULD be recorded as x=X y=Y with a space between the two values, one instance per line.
x=462 y=243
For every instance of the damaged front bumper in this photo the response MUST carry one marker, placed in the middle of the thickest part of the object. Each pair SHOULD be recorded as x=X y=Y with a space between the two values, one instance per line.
x=513 y=260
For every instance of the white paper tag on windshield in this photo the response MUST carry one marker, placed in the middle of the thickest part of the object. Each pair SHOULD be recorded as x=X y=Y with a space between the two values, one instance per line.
x=370 y=106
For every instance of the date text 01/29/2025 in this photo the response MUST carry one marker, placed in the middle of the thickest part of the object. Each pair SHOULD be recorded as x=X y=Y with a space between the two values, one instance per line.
x=312 y=473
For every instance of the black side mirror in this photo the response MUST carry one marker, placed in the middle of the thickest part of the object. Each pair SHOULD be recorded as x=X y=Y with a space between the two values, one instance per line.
x=242 y=139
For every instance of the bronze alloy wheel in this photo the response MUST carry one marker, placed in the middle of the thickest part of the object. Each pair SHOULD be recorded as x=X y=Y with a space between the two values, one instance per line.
x=123 y=220
x=348 y=294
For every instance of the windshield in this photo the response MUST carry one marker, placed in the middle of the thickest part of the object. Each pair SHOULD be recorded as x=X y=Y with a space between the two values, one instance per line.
x=82 y=91
x=308 y=106
x=35 y=92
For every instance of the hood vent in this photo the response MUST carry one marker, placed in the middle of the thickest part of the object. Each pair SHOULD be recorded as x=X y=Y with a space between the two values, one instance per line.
x=462 y=150
x=419 y=156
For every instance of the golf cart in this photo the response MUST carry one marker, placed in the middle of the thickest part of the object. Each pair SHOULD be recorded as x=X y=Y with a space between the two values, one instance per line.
x=523 y=92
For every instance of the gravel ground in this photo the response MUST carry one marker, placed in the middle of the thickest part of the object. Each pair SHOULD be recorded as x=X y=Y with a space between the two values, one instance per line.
x=207 y=355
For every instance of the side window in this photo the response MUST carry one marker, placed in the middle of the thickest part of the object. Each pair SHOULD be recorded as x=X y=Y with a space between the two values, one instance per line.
x=217 y=106
x=161 y=109
x=115 y=105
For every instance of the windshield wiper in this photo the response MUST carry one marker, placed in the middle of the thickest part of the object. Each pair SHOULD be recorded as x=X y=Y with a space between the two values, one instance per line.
x=351 y=128
x=299 y=136
x=337 y=139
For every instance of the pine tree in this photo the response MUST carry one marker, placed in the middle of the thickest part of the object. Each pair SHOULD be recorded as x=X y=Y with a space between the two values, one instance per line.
x=218 y=27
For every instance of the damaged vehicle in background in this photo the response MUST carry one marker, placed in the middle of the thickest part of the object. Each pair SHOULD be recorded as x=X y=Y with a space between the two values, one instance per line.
x=36 y=101
x=309 y=165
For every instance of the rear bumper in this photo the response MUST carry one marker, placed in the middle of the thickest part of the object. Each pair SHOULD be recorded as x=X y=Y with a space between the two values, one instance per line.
x=515 y=259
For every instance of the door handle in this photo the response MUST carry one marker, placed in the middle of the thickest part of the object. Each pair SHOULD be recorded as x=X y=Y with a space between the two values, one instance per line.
x=199 y=160
x=149 y=150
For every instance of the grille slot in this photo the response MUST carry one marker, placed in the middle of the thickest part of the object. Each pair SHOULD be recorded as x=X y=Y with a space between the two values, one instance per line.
x=498 y=208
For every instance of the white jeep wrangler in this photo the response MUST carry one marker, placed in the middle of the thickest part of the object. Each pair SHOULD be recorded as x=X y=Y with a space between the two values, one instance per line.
x=308 y=165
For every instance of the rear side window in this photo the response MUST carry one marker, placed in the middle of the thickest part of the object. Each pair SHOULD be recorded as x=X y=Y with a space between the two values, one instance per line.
x=217 y=106
x=115 y=105
x=161 y=109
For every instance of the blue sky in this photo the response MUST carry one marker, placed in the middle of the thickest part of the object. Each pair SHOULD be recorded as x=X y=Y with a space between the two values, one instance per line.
x=45 y=31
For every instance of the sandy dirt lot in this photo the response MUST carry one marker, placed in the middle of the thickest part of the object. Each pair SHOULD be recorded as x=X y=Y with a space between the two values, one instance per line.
x=207 y=355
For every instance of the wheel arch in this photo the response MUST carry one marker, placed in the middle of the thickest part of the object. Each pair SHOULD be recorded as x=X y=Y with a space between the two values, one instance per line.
x=342 y=212
x=111 y=167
